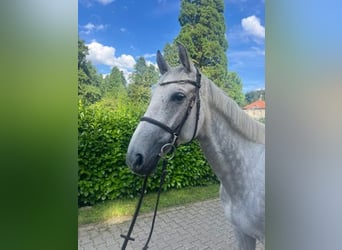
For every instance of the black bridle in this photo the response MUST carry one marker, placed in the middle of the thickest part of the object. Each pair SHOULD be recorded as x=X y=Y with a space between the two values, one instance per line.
x=165 y=152
x=176 y=131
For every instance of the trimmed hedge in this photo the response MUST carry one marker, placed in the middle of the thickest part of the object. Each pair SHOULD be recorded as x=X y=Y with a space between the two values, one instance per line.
x=104 y=135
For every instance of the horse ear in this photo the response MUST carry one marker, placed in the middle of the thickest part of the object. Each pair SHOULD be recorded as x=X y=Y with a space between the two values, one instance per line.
x=162 y=64
x=185 y=59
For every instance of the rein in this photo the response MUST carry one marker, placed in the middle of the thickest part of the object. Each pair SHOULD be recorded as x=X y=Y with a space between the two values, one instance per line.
x=166 y=153
x=136 y=213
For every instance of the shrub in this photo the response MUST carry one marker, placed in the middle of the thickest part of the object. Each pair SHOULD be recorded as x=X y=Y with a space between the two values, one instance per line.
x=104 y=132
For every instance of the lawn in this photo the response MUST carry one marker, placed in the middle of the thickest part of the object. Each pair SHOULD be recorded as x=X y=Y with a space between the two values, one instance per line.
x=121 y=209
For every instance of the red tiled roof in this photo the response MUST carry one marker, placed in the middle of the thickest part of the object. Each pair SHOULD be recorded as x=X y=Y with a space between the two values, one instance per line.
x=258 y=104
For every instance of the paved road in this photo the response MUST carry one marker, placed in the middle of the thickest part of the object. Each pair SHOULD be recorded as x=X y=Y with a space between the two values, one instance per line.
x=196 y=226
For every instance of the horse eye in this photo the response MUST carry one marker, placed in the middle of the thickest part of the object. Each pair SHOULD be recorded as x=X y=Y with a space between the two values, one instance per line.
x=178 y=97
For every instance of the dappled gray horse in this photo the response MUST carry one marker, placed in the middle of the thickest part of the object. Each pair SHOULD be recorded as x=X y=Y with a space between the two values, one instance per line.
x=187 y=105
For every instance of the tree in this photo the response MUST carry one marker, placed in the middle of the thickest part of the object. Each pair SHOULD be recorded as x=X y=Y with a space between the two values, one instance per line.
x=90 y=94
x=171 y=54
x=144 y=74
x=114 y=84
x=254 y=95
x=89 y=81
x=233 y=87
x=141 y=81
x=203 y=33
x=82 y=53
x=95 y=78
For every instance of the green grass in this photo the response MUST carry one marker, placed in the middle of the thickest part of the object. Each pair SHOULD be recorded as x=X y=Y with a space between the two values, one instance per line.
x=119 y=209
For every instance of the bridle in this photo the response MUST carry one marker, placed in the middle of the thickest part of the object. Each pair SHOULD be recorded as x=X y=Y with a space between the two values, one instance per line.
x=166 y=151
x=171 y=146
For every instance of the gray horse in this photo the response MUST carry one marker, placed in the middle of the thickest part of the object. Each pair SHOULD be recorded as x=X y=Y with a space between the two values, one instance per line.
x=187 y=105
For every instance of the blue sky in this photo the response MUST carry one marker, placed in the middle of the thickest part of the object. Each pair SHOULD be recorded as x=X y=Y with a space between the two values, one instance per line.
x=118 y=32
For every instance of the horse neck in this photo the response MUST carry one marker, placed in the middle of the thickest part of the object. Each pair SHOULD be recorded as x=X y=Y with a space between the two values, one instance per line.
x=226 y=148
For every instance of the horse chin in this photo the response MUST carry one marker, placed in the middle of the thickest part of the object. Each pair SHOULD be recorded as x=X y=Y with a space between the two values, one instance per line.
x=146 y=170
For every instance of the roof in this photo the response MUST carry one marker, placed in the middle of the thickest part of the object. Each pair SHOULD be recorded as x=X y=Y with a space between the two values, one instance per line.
x=258 y=104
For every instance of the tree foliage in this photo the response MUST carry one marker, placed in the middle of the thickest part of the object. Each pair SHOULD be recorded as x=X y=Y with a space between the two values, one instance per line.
x=82 y=53
x=203 y=33
x=114 y=84
x=89 y=93
x=254 y=95
x=89 y=81
x=171 y=54
x=233 y=87
x=141 y=81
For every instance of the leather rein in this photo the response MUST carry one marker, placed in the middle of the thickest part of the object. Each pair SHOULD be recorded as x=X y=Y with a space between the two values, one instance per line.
x=166 y=152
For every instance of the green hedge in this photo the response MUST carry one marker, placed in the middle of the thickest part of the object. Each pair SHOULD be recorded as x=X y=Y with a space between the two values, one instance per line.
x=104 y=135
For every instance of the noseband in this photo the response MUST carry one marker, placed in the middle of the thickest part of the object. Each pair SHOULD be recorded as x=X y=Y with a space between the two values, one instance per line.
x=169 y=147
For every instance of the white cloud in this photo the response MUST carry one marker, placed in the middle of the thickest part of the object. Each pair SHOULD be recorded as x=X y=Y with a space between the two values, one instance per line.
x=150 y=55
x=100 y=54
x=101 y=27
x=105 y=2
x=89 y=27
x=124 y=62
x=152 y=63
x=105 y=75
x=251 y=25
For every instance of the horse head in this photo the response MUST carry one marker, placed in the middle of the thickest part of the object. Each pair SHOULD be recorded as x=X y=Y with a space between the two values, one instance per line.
x=172 y=117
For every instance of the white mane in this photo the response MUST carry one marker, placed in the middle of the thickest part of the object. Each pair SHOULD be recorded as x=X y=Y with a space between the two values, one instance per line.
x=239 y=120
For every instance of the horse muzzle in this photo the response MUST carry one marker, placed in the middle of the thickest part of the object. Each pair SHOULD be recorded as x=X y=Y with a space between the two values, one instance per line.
x=140 y=162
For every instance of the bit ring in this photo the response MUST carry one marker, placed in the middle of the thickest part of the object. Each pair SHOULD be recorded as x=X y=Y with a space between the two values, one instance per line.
x=167 y=151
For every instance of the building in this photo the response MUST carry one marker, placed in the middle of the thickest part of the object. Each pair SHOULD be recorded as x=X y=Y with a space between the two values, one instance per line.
x=256 y=109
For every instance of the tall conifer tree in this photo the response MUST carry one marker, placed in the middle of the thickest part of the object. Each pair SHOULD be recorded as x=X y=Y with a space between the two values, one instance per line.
x=203 y=32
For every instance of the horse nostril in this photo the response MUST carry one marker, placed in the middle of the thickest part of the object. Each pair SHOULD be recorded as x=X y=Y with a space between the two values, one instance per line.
x=138 y=160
